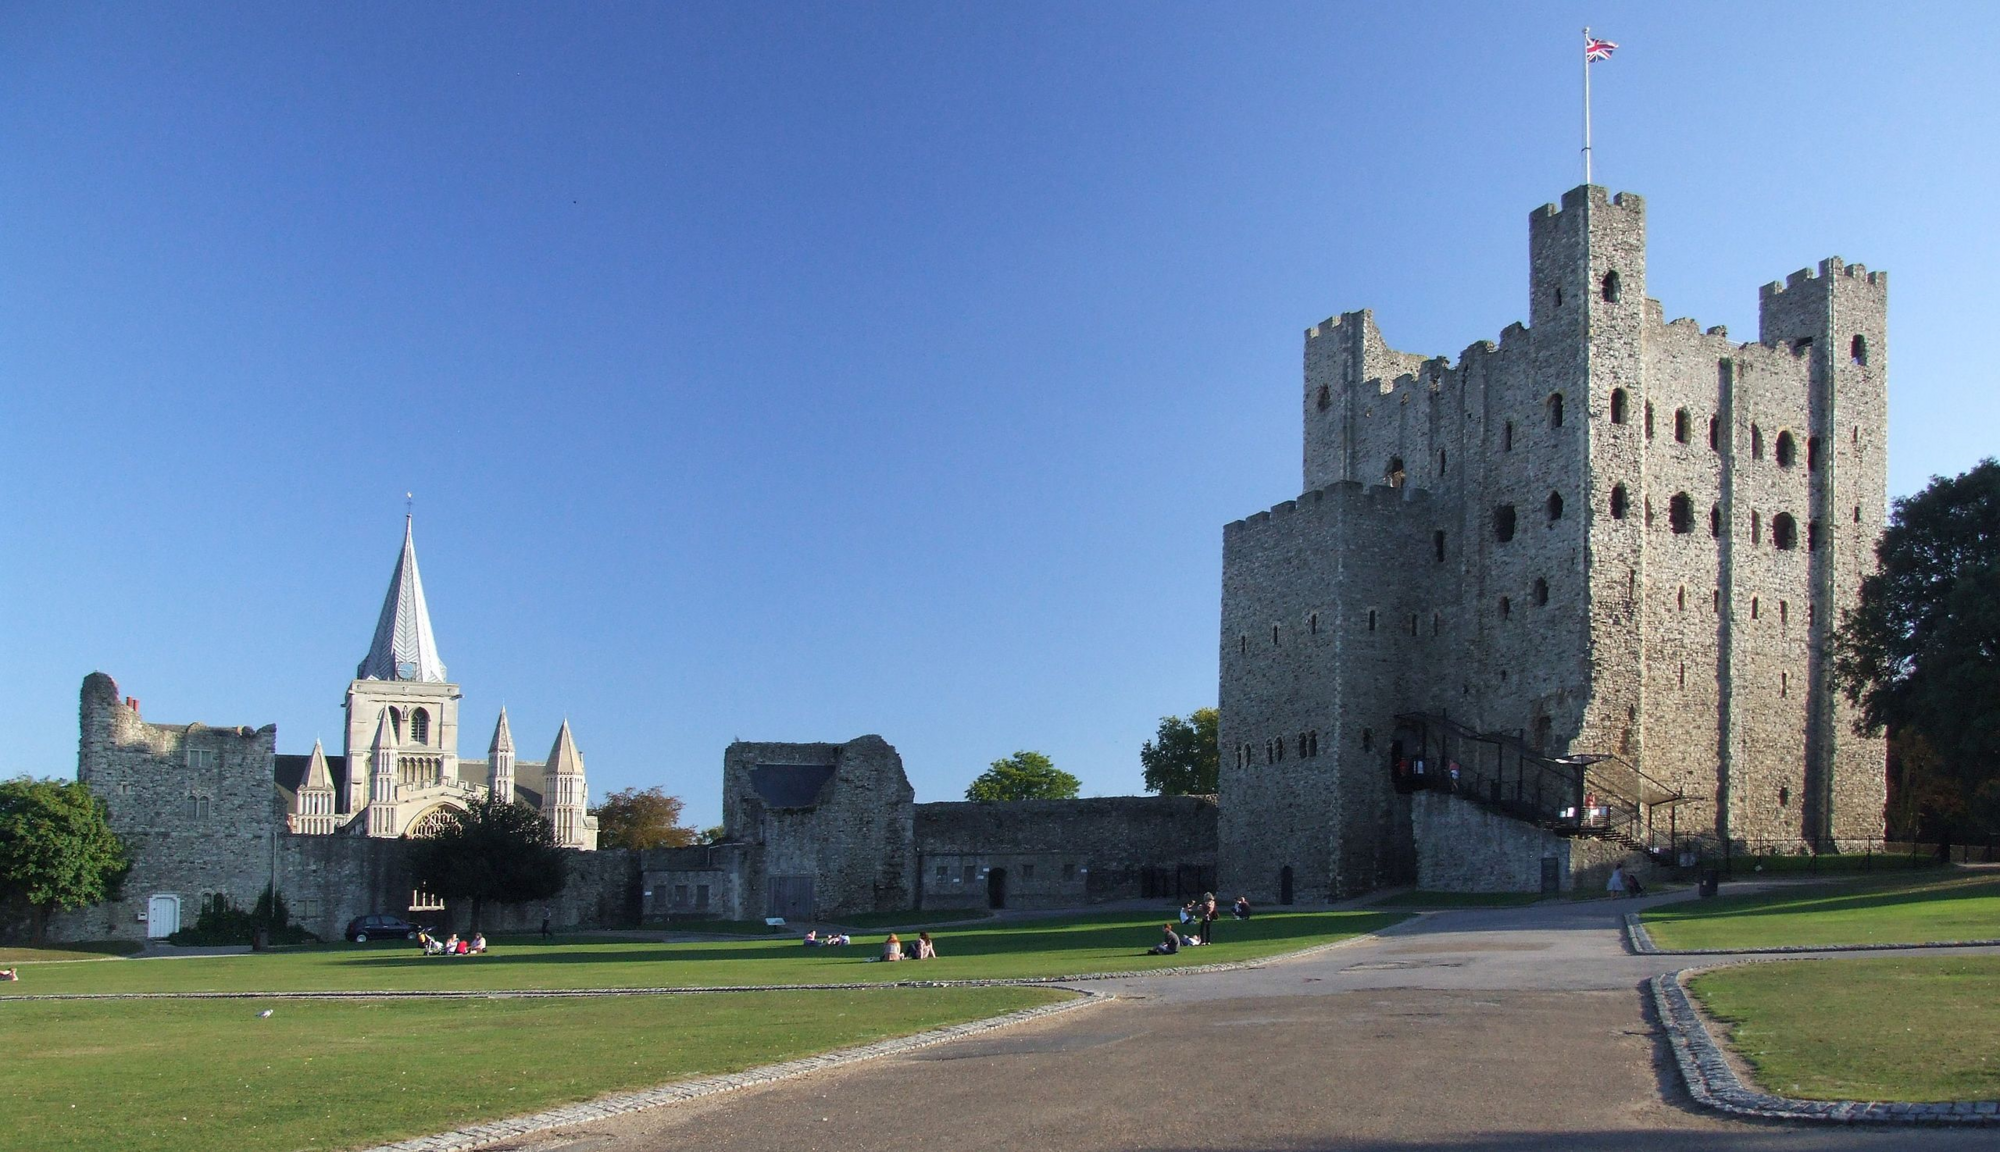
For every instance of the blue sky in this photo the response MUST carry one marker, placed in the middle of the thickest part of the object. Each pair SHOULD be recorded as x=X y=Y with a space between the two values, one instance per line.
x=797 y=372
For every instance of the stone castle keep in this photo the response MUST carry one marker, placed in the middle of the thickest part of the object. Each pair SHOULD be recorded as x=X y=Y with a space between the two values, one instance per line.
x=1564 y=602
x=1595 y=565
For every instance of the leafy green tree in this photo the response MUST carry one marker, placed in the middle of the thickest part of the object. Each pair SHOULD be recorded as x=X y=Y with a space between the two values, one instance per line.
x=57 y=849
x=713 y=835
x=1024 y=776
x=1182 y=759
x=494 y=851
x=1920 y=653
x=636 y=818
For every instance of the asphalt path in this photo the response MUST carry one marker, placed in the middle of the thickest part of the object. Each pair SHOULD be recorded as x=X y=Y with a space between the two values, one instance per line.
x=1482 y=1030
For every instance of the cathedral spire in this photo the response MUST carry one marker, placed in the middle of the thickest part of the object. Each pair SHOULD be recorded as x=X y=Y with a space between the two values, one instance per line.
x=500 y=762
x=404 y=648
x=317 y=774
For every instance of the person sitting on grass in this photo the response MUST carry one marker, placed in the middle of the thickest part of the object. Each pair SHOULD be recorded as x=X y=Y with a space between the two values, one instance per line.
x=812 y=938
x=1187 y=912
x=1169 y=945
x=892 y=948
x=839 y=940
x=451 y=944
x=925 y=949
x=1242 y=909
x=478 y=943
x=10 y=973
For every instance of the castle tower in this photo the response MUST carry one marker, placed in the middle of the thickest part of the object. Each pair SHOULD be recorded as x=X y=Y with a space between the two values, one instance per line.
x=316 y=797
x=500 y=762
x=382 y=780
x=401 y=683
x=565 y=800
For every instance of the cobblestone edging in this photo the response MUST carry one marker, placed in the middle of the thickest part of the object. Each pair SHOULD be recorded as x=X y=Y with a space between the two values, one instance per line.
x=1642 y=944
x=604 y=1107
x=1714 y=1084
x=699 y=990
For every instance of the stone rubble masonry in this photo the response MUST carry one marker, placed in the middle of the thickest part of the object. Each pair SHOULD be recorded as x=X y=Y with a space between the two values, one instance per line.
x=1700 y=657
x=854 y=839
x=1462 y=847
x=1060 y=853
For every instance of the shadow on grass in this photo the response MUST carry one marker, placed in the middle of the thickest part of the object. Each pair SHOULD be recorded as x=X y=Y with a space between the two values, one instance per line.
x=1848 y=898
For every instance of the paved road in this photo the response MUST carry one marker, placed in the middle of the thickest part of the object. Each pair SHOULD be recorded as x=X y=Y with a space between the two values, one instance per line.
x=1504 y=1030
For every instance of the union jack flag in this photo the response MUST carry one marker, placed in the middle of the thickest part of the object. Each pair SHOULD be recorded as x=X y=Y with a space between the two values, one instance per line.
x=1595 y=50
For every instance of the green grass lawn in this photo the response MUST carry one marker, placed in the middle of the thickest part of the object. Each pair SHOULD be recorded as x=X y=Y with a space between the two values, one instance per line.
x=1910 y=909
x=1105 y=942
x=86 y=950
x=201 y=1075
x=1879 y=1028
x=1750 y=867
x=1458 y=900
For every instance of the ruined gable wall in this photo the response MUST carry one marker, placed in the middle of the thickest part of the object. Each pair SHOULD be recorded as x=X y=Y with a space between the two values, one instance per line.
x=855 y=841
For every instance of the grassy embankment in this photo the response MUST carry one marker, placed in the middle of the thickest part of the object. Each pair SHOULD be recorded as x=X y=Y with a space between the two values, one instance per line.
x=1908 y=909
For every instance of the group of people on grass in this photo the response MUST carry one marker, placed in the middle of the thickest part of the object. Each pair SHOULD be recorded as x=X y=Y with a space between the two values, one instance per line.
x=452 y=945
x=892 y=949
x=1202 y=914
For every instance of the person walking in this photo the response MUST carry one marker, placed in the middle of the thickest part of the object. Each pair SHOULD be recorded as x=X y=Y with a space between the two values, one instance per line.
x=546 y=934
x=1616 y=885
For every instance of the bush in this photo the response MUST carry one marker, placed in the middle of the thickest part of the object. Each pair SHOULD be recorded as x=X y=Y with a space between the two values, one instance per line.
x=222 y=922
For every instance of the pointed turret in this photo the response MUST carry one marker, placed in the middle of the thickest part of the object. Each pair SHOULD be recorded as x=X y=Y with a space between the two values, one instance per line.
x=565 y=796
x=382 y=779
x=313 y=813
x=404 y=648
x=318 y=775
x=500 y=762
x=564 y=759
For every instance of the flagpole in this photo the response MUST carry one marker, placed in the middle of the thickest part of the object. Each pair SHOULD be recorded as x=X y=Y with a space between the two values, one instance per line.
x=1586 y=105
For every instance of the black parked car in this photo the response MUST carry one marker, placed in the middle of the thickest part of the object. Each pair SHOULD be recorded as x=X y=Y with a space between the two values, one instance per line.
x=363 y=928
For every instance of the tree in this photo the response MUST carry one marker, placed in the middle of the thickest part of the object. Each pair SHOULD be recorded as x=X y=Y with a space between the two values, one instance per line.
x=1183 y=760
x=712 y=835
x=493 y=851
x=641 y=819
x=1024 y=776
x=1920 y=653
x=57 y=849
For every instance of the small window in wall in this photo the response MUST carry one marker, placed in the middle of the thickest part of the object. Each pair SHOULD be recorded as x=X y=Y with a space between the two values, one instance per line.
x=1681 y=425
x=1784 y=611
x=1756 y=528
x=1069 y=870
x=1555 y=507
x=420 y=727
x=1649 y=419
x=1027 y=871
x=1325 y=399
x=1809 y=613
x=1559 y=297
x=1618 y=502
x=1243 y=645
x=944 y=872
x=1681 y=598
x=1618 y=403
x=1371 y=619
x=1278 y=749
x=1544 y=733
x=701 y=896
x=1812 y=535
x=1857 y=513
x=1684 y=674
x=1367 y=740
x=1715 y=520
x=1312 y=742
x=1784 y=532
x=969 y=873
x=201 y=759
x=1555 y=410
x=1506 y=608
x=1857 y=349
x=1507 y=436
x=1393 y=474
x=1784 y=797
x=1609 y=288
x=680 y=895
x=1274 y=635
x=1503 y=523
x=1437 y=544
x=1784 y=683
x=1303 y=746
x=1680 y=514
x=1270 y=757
x=1756 y=442
x=1715 y=601
x=197 y=807
x=1541 y=592
x=1753 y=607
x=1786 y=451
x=1413 y=623
x=1714 y=434
x=1441 y=460
x=1649 y=511
x=1312 y=623
x=1437 y=623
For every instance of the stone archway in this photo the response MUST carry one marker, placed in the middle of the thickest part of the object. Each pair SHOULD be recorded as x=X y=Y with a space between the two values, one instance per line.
x=432 y=821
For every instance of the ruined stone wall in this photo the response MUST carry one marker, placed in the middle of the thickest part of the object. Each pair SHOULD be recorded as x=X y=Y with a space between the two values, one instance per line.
x=853 y=838
x=1060 y=853
x=673 y=880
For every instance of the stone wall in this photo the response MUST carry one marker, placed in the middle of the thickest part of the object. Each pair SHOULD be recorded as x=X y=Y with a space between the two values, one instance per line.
x=705 y=880
x=847 y=834
x=1462 y=847
x=1061 y=853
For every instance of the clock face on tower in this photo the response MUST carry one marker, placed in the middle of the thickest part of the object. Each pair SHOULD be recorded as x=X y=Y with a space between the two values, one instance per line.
x=406 y=671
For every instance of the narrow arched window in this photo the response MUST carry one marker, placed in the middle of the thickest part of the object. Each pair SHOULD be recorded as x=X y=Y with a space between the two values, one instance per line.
x=1714 y=434
x=1555 y=507
x=1649 y=419
x=1756 y=528
x=1437 y=544
x=420 y=727
x=1371 y=619
x=1715 y=520
x=1857 y=349
x=1681 y=599
x=1312 y=623
x=1786 y=450
x=1611 y=288
x=1274 y=635
x=1680 y=514
x=1784 y=532
x=1756 y=442
x=1681 y=425
x=1541 y=592
x=1507 y=437
x=1753 y=607
x=1441 y=461
x=1503 y=523
x=1325 y=397
x=1618 y=404
x=1555 y=410
x=1393 y=474
x=1812 y=453
x=1618 y=502
x=1784 y=611
x=1506 y=608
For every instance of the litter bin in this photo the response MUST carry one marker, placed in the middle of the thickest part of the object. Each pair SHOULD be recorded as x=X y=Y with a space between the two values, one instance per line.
x=1710 y=881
